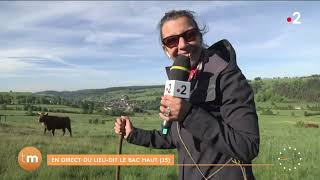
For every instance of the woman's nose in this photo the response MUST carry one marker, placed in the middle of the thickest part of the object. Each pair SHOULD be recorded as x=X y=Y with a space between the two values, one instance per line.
x=182 y=43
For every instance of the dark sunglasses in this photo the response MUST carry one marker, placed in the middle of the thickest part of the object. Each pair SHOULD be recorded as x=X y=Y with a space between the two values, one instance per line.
x=173 y=41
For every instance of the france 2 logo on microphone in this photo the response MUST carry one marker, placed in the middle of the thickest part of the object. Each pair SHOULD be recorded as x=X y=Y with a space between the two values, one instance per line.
x=177 y=88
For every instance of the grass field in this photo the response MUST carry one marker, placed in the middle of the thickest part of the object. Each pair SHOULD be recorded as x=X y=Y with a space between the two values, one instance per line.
x=277 y=132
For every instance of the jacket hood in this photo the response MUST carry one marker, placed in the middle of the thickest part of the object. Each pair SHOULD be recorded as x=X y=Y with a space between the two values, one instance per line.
x=225 y=50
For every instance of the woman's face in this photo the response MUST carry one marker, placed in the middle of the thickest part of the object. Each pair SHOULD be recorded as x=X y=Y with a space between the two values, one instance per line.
x=180 y=37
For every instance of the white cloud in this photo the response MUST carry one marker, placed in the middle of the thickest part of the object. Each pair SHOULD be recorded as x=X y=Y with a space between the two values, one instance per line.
x=9 y=67
x=110 y=37
x=81 y=43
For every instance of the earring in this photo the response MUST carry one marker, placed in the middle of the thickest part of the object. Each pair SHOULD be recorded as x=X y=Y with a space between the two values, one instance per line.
x=168 y=54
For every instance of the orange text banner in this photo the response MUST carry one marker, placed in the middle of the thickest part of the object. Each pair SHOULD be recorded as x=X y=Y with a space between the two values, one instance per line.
x=110 y=160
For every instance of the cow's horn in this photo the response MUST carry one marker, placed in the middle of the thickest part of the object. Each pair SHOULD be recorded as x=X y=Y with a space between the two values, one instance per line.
x=46 y=113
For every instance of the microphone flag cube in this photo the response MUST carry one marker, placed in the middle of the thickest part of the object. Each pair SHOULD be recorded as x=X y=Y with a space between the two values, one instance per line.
x=177 y=88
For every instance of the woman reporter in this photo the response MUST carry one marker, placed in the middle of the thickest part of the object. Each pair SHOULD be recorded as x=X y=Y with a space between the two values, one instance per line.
x=218 y=126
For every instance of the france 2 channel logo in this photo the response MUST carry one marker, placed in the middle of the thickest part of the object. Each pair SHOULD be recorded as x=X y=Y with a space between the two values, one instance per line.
x=295 y=19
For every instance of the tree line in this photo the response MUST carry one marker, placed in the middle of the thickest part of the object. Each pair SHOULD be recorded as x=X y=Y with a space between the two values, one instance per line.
x=32 y=103
x=278 y=90
x=305 y=89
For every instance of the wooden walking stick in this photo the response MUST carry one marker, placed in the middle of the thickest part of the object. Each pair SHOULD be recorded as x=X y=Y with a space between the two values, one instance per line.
x=119 y=151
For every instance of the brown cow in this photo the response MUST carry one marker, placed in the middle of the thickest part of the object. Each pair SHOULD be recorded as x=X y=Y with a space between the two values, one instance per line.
x=311 y=125
x=55 y=122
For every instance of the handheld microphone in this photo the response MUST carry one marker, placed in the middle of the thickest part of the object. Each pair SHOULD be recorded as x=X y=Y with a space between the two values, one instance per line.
x=177 y=85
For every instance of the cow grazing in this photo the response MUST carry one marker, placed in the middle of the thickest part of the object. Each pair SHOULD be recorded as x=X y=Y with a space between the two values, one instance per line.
x=55 y=122
x=311 y=125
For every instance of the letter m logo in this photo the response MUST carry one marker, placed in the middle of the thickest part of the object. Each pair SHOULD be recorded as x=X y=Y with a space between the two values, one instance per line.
x=32 y=159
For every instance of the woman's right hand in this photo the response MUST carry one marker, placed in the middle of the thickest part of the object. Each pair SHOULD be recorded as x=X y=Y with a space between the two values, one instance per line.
x=123 y=125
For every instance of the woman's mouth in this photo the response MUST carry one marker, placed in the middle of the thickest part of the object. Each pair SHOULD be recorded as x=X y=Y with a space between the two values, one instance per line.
x=186 y=54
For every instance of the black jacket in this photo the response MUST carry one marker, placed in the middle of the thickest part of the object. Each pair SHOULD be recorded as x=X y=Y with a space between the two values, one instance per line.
x=221 y=125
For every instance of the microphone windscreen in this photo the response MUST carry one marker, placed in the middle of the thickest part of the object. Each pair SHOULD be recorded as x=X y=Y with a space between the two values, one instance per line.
x=180 y=69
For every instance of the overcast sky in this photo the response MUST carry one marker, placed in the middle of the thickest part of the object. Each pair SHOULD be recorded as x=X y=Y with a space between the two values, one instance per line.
x=87 y=45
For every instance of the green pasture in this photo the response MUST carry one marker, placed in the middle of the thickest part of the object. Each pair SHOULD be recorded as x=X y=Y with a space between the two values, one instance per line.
x=18 y=131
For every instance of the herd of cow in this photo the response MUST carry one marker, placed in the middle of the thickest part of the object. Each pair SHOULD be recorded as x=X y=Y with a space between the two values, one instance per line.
x=51 y=123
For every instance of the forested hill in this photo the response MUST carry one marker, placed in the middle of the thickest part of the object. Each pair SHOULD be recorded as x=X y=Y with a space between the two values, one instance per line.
x=107 y=93
x=275 y=89
x=305 y=89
